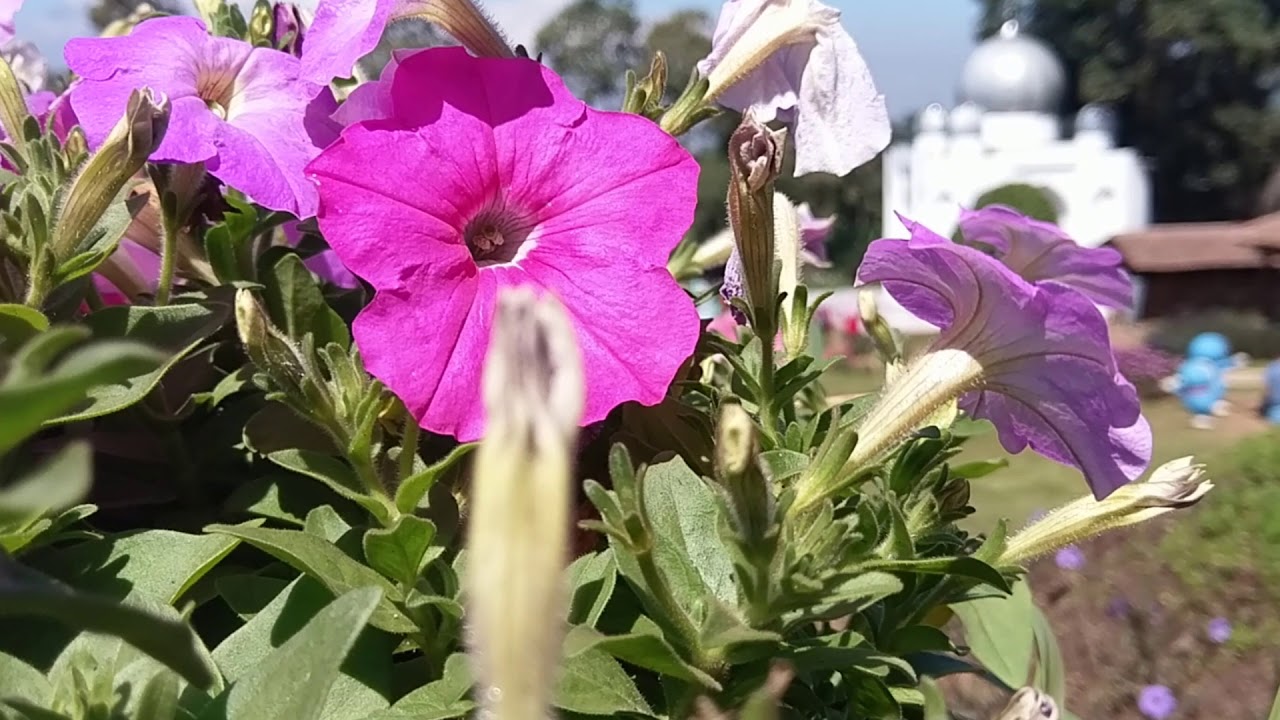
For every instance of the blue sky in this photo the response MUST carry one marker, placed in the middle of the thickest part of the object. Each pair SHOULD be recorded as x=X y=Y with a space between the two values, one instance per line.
x=915 y=47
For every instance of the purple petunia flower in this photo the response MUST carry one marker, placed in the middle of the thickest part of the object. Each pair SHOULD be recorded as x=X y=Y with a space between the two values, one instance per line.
x=1157 y=702
x=1069 y=558
x=814 y=232
x=346 y=30
x=240 y=110
x=791 y=60
x=1219 y=630
x=1041 y=252
x=8 y=9
x=1035 y=360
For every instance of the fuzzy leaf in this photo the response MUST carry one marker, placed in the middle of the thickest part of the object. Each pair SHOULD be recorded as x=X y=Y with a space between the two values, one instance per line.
x=402 y=551
x=592 y=579
x=643 y=647
x=56 y=484
x=1000 y=632
x=593 y=683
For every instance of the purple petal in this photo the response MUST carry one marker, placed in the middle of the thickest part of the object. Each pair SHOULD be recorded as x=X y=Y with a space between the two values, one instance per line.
x=1157 y=702
x=342 y=32
x=1049 y=379
x=1041 y=252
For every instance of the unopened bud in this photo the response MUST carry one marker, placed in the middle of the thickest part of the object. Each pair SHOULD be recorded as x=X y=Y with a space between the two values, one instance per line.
x=755 y=161
x=645 y=97
x=121 y=156
x=714 y=252
x=519 y=528
x=13 y=105
x=737 y=471
x=262 y=24
x=75 y=147
x=885 y=339
x=1175 y=485
x=264 y=344
x=465 y=21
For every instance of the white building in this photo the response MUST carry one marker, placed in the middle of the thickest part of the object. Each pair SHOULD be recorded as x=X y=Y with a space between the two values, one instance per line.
x=1007 y=129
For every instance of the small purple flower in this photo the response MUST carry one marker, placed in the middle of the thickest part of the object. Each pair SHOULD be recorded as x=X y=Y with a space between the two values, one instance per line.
x=1157 y=702
x=791 y=60
x=1069 y=558
x=813 y=236
x=1219 y=630
x=1040 y=252
x=1035 y=359
x=240 y=110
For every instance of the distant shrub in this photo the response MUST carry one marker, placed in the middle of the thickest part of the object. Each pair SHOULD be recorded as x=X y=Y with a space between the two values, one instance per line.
x=1145 y=367
x=1026 y=199
x=1250 y=333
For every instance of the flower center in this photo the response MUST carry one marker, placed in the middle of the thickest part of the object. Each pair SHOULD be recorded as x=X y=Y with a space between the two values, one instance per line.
x=217 y=89
x=497 y=235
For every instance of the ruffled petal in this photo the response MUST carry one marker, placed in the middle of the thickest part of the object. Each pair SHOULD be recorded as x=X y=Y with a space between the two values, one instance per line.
x=342 y=32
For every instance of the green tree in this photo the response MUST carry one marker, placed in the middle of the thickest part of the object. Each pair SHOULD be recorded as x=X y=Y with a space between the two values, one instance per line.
x=105 y=12
x=592 y=44
x=1189 y=80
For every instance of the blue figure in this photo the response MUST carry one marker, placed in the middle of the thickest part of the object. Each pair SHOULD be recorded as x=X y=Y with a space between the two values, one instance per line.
x=1271 y=401
x=1200 y=383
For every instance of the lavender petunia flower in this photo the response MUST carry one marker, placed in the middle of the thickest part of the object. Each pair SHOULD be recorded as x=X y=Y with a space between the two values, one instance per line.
x=814 y=232
x=1035 y=360
x=1041 y=252
x=346 y=30
x=1070 y=557
x=240 y=110
x=791 y=60
x=8 y=9
x=1157 y=702
x=1219 y=630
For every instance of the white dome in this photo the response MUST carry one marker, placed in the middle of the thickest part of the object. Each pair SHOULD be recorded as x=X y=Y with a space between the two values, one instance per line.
x=932 y=119
x=965 y=119
x=1012 y=72
x=1096 y=118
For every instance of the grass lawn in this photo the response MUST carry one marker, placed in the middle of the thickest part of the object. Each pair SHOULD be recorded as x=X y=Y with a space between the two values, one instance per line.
x=1032 y=483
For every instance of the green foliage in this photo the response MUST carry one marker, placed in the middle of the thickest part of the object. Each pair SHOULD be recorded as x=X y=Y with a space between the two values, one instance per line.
x=1190 y=81
x=1249 y=333
x=1026 y=199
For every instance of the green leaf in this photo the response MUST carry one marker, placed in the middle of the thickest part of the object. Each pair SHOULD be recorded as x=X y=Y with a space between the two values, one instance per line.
x=1275 y=708
x=18 y=324
x=287 y=498
x=644 y=648
x=161 y=564
x=324 y=562
x=294 y=301
x=1000 y=632
x=414 y=489
x=935 y=703
x=781 y=466
x=158 y=631
x=1050 y=675
x=30 y=403
x=687 y=547
x=978 y=468
x=934 y=664
x=55 y=485
x=970 y=567
x=918 y=638
x=20 y=680
x=325 y=522
x=593 y=683
x=177 y=329
x=277 y=427
x=724 y=629
x=293 y=681
x=248 y=595
x=365 y=678
x=440 y=700
x=403 y=551
x=592 y=579
x=102 y=239
x=336 y=474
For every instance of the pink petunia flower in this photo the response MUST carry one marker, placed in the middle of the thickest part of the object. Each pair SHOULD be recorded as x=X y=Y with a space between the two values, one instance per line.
x=491 y=174
x=240 y=110
x=1034 y=359
x=346 y=30
x=1042 y=252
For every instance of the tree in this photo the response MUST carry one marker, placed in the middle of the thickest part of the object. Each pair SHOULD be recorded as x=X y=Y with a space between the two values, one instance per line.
x=1189 y=80
x=106 y=12
x=592 y=44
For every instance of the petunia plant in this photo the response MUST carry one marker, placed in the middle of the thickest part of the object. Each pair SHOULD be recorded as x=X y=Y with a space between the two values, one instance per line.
x=325 y=396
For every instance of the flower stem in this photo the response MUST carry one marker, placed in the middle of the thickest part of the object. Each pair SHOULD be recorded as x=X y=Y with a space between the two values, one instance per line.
x=683 y=626
x=408 y=446
x=168 y=258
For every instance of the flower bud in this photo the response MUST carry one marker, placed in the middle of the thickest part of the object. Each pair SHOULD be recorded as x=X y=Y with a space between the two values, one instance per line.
x=122 y=155
x=75 y=147
x=885 y=339
x=1176 y=484
x=465 y=21
x=262 y=24
x=714 y=252
x=264 y=344
x=645 y=97
x=738 y=473
x=519 y=528
x=13 y=104
x=1029 y=704
x=755 y=161
x=147 y=230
